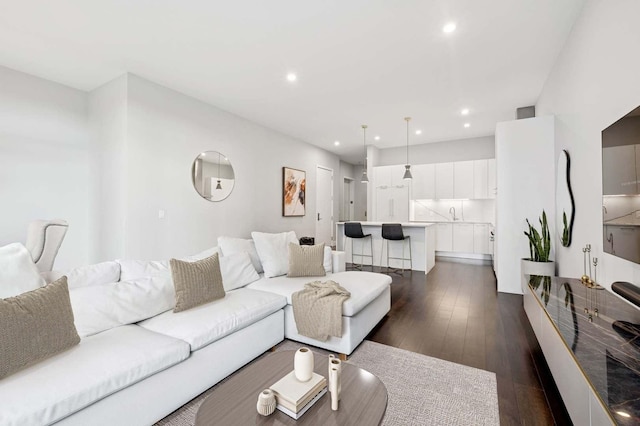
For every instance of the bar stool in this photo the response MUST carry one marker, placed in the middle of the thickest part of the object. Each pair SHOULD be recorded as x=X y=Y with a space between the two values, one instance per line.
x=353 y=230
x=393 y=232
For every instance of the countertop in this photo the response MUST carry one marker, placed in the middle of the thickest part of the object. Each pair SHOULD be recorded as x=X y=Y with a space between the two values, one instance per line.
x=608 y=355
x=623 y=221
x=471 y=222
x=405 y=224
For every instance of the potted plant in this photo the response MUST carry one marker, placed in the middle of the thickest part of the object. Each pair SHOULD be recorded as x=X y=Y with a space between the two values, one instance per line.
x=538 y=264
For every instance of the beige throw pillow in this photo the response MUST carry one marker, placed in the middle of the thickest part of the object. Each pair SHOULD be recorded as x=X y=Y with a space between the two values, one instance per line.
x=196 y=283
x=34 y=326
x=306 y=261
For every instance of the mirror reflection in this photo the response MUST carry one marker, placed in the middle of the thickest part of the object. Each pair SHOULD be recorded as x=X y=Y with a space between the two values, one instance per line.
x=565 y=207
x=620 y=187
x=212 y=176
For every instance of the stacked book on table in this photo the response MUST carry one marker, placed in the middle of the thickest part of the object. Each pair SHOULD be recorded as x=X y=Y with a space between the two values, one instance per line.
x=294 y=397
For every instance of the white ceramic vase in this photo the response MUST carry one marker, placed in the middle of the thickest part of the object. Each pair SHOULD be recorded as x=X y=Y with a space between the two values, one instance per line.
x=266 y=402
x=334 y=362
x=303 y=364
x=334 y=378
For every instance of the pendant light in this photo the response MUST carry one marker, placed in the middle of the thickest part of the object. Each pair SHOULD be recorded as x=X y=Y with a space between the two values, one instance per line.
x=219 y=186
x=365 y=178
x=407 y=171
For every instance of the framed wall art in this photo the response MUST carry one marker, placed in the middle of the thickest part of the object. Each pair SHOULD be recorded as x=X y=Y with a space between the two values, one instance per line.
x=294 y=183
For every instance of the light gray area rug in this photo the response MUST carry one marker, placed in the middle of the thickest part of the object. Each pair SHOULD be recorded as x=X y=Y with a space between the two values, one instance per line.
x=422 y=390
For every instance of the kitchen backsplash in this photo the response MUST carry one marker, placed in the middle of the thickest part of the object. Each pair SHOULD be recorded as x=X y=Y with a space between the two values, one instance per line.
x=441 y=210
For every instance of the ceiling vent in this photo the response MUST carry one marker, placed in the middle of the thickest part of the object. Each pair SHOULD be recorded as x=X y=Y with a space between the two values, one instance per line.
x=526 y=112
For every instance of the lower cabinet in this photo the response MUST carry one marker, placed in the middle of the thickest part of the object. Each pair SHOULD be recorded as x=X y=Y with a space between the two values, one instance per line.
x=444 y=237
x=482 y=238
x=463 y=237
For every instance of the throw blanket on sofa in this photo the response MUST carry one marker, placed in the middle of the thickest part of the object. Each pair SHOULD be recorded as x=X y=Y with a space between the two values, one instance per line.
x=318 y=309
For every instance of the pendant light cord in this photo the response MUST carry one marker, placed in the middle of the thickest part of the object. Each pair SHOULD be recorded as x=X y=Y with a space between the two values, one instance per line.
x=407 y=120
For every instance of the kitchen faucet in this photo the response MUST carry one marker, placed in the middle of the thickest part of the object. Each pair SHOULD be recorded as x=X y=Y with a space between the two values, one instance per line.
x=452 y=210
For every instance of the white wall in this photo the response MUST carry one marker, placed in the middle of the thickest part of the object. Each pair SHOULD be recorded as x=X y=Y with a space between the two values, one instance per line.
x=44 y=169
x=440 y=152
x=593 y=84
x=166 y=130
x=526 y=186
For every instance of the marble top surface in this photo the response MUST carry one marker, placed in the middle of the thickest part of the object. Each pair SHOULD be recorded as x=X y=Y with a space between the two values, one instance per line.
x=406 y=224
x=602 y=332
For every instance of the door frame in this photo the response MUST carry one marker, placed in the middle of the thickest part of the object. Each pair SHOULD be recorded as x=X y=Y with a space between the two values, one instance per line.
x=332 y=223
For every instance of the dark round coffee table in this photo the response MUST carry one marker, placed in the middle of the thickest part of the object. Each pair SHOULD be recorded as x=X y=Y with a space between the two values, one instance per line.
x=363 y=400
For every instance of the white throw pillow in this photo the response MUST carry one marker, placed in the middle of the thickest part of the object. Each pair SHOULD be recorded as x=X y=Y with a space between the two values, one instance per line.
x=98 y=274
x=98 y=308
x=328 y=261
x=132 y=269
x=203 y=255
x=237 y=271
x=273 y=250
x=230 y=245
x=18 y=273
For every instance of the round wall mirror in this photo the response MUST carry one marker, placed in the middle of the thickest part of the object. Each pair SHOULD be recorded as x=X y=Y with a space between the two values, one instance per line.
x=565 y=207
x=212 y=176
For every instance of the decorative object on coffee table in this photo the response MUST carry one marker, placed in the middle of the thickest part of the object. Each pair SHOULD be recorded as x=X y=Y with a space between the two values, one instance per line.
x=266 y=402
x=335 y=362
x=333 y=387
x=303 y=364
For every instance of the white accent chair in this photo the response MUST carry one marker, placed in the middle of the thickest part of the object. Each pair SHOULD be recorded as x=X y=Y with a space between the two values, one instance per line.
x=44 y=238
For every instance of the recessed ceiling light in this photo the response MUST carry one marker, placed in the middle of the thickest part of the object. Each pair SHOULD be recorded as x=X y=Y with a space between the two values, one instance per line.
x=464 y=111
x=336 y=143
x=449 y=27
x=467 y=125
x=292 y=77
x=377 y=138
x=418 y=132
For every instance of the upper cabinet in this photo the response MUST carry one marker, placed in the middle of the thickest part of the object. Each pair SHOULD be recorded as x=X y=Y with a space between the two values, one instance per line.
x=463 y=182
x=492 y=186
x=423 y=184
x=619 y=170
x=480 y=179
x=444 y=180
x=388 y=176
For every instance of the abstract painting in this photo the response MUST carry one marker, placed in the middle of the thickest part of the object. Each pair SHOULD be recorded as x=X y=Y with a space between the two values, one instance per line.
x=294 y=183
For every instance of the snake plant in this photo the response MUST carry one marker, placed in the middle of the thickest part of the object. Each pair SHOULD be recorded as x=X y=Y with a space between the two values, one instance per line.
x=539 y=242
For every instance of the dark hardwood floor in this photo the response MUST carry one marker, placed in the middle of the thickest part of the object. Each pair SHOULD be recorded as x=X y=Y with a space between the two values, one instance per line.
x=455 y=313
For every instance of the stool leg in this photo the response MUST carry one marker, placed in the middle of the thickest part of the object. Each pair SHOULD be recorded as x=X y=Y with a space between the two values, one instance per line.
x=402 y=257
x=371 y=243
x=410 y=255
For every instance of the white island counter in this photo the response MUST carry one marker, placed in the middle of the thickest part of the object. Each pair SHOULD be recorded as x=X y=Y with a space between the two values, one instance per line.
x=423 y=243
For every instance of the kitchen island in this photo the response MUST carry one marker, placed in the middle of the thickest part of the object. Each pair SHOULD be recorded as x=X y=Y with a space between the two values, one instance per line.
x=423 y=243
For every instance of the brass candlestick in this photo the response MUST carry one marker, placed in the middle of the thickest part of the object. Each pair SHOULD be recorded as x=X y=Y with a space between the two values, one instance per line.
x=585 y=278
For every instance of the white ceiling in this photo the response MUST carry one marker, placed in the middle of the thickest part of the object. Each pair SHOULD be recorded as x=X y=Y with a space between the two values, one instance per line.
x=357 y=61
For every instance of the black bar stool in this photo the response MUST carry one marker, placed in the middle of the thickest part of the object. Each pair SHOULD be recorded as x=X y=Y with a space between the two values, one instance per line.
x=353 y=230
x=393 y=232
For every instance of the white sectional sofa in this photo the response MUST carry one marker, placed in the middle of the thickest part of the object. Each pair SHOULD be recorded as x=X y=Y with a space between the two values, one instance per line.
x=138 y=373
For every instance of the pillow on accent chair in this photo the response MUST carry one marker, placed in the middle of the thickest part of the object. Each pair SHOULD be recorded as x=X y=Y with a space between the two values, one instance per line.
x=18 y=273
x=98 y=308
x=306 y=261
x=237 y=271
x=273 y=250
x=35 y=325
x=196 y=283
x=230 y=245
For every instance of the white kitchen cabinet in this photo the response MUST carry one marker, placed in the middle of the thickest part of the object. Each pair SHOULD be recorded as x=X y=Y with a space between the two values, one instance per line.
x=392 y=204
x=463 y=237
x=444 y=180
x=463 y=179
x=480 y=179
x=619 y=168
x=481 y=238
x=492 y=187
x=381 y=176
x=423 y=184
x=444 y=237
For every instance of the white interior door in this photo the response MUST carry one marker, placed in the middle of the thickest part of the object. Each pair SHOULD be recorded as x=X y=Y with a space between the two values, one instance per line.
x=324 y=205
x=346 y=212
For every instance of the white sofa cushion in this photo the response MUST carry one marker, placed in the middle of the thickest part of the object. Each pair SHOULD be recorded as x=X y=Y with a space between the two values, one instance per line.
x=363 y=286
x=328 y=260
x=97 y=274
x=132 y=269
x=204 y=254
x=205 y=324
x=101 y=307
x=18 y=273
x=99 y=366
x=273 y=250
x=237 y=271
x=230 y=245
